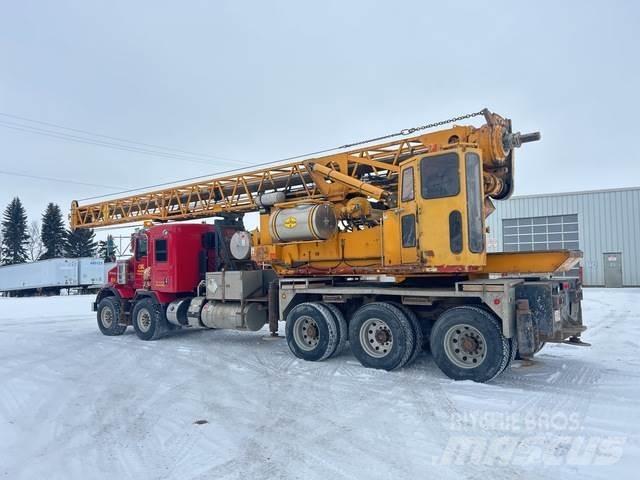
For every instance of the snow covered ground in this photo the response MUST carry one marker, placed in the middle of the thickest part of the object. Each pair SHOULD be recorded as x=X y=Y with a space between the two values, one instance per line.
x=76 y=404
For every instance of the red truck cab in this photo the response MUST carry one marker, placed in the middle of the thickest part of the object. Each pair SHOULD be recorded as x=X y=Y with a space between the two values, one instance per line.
x=168 y=262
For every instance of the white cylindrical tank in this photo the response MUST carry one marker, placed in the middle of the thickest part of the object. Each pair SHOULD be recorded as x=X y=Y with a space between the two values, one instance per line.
x=240 y=245
x=231 y=315
x=270 y=199
x=311 y=221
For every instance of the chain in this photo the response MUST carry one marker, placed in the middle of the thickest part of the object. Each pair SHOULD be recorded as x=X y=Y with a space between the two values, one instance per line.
x=408 y=131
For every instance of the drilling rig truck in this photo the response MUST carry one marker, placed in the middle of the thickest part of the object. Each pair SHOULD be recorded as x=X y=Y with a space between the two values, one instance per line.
x=379 y=247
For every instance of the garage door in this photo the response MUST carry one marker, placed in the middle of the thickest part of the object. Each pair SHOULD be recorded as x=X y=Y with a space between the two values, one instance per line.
x=541 y=233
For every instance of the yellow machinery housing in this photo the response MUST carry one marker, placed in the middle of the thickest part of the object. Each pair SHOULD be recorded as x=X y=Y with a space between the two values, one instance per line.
x=410 y=207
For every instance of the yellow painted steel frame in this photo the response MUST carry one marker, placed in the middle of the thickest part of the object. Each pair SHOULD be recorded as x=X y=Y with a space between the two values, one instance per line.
x=375 y=249
x=237 y=193
x=532 y=262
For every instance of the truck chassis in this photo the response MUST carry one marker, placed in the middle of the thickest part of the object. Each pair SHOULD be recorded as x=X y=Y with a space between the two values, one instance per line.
x=487 y=321
x=474 y=328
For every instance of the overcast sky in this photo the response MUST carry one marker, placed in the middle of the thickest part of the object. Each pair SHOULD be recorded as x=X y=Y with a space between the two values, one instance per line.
x=262 y=80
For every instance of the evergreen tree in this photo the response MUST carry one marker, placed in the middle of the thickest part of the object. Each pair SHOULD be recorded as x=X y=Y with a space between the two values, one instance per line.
x=14 y=233
x=107 y=249
x=52 y=233
x=80 y=243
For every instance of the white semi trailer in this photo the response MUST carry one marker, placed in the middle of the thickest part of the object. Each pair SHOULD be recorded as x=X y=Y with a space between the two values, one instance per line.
x=50 y=276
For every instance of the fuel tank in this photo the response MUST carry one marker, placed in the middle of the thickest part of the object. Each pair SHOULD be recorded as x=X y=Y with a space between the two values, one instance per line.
x=233 y=315
x=311 y=221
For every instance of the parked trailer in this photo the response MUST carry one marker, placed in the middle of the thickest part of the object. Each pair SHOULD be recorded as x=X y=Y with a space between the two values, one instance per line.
x=92 y=271
x=52 y=275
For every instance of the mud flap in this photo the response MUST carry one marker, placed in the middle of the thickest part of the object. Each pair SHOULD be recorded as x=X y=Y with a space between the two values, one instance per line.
x=527 y=334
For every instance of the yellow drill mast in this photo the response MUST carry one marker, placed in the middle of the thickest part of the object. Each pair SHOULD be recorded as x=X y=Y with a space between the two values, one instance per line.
x=406 y=207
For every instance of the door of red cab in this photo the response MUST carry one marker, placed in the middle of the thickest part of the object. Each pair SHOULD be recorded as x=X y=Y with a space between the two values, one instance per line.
x=139 y=261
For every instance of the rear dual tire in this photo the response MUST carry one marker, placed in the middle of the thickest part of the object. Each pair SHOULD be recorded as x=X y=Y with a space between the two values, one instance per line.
x=467 y=344
x=418 y=331
x=342 y=329
x=312 y=331
x=382 y=336
x=466 y=341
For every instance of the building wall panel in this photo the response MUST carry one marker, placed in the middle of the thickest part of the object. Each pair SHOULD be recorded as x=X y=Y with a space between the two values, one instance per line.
x=609 y=221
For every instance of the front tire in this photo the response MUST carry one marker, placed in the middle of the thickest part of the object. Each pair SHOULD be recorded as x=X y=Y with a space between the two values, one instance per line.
x=467 y=344
x=109 y=317
x=148 y=320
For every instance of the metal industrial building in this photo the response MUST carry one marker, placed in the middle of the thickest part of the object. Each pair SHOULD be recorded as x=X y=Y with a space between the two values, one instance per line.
x=604 y=224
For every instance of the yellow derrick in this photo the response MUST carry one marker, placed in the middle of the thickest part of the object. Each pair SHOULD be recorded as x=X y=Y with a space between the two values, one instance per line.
x=407 y=207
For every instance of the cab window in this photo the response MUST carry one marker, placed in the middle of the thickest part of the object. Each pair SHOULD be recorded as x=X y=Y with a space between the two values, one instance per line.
x=474 y=203
x=440 y=176
x=455 y=232
x=141 y=246
x=161 y=250
x=407 y=185
x=408 y=223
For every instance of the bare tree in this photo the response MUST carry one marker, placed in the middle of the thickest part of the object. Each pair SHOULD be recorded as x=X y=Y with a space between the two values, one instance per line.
x=35 y=248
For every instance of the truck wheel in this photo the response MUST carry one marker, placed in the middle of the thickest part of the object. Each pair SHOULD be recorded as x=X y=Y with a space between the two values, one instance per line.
x=381 y=336
x=148 y=320
x=467 y=344
x=108 y=317
x=417 y=331
x=312 y=333
x=341 y=323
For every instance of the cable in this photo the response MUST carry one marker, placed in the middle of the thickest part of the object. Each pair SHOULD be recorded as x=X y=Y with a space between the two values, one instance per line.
x=55 y=125
x=224 y=172
x=52 y=179
x=403 y=132
x=101 y=143
x=84 y=140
